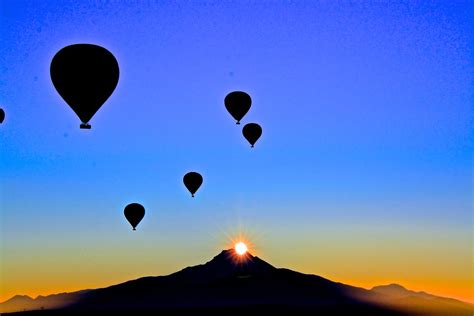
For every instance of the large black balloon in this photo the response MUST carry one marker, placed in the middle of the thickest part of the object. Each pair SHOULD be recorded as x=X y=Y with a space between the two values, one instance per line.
x=192 y=181
x=85 y=76
x=238 y=104
x=252 y=132
x=134 y=213
x=2 y=115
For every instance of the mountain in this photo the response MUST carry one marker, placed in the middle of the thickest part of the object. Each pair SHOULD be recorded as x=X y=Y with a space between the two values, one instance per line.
x=230 y=284
x=17 y=302
x=397 y=291
x=399 y=297
x=24 y=302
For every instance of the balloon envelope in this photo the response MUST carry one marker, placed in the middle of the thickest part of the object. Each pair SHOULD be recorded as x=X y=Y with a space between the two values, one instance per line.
x=2 y=115
x=85 y=76
x=192 y=181
x=252 y=132
x=134 y=213
x=238 y=104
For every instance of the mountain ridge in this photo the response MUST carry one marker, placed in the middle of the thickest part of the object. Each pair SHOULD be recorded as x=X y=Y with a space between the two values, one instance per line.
x=230 y=281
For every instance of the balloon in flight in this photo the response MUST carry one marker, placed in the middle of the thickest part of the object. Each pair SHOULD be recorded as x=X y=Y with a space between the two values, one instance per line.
x=2 y=115
x=134 y=213
x=192 y=181
x=85 y=75
x=237 y=104
x=252 y=132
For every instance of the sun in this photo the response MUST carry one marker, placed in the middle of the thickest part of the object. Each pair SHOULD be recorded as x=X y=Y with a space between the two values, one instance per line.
x=241 y=248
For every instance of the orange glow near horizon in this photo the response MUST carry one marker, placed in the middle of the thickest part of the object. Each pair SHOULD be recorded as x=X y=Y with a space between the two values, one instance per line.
x=65 y=271
x=25 y=281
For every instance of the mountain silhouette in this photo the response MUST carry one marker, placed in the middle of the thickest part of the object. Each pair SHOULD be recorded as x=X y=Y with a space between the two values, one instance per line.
x=421 y=302
x=230 y=284
x=54 y=301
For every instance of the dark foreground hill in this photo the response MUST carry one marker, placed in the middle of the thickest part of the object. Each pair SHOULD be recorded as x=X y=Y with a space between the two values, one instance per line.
x=234 y=285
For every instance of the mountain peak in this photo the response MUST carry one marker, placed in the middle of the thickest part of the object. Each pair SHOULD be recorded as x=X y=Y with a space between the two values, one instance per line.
x=231 y=254
x=392 y=286
x=397 y=290
x=21 y=297
x=228 y=253
x=227 y=264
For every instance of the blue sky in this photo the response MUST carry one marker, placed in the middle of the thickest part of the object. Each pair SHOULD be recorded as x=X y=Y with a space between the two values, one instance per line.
x=365 y=109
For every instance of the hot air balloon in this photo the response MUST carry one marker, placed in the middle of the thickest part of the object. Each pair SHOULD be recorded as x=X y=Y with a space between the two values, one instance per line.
x=85 y=76
x=252 y=132
x=237 y=104
x=134 y=213
x=2 y=115
x=192 y=181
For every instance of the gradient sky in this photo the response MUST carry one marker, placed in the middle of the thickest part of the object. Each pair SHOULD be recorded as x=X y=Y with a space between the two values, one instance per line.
x=363 y=174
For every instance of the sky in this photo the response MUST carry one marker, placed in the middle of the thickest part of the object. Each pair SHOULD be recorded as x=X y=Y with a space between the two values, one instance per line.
x=363 y=174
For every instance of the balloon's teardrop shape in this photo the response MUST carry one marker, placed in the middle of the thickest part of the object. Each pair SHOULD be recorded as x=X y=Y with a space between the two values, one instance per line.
x=85 y=75
x=192 y=181
x=252 y=132
x=238 y=103
x=134 y=213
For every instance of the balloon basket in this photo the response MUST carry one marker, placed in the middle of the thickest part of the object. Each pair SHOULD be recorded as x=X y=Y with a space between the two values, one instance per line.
x=85 y=126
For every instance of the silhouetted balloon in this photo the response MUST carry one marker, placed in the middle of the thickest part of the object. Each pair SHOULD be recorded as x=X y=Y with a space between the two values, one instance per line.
x=192 y=181
x=252 y=132
x=134 y=213
x=85 y=76
x=238 y=104
x=2 y=115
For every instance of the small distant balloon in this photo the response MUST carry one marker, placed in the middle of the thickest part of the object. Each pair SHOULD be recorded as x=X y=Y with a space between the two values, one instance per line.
x=252 y=132
x=192 y=181
x=85 y=76
x=2 y=115
x=237 y=104
x=134 y=213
